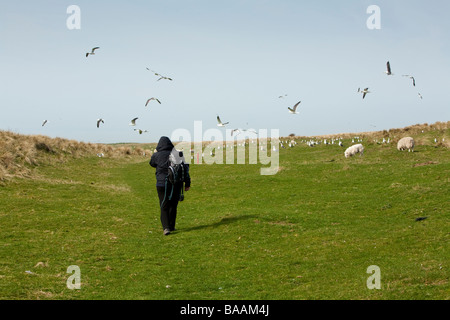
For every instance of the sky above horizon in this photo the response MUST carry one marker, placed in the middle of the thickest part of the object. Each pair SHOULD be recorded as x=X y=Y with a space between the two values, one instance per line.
x=228 y=58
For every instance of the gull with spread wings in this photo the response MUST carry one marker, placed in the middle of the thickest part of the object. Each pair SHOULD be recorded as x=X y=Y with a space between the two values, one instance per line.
x=220 y=123
x=92 y=51
x=293 y=110
x=364 y=92
x=412 y=78
x=153 y=98
x=133 y=121
x=159 y=75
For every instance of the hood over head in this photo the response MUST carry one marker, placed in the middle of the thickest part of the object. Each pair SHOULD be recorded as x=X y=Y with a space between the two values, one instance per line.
x=164 y=144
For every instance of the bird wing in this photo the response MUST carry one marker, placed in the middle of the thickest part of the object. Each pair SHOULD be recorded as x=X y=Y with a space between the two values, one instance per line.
x=158 y=101
x=95 y=48
x=218 y=120
x=364 y=95
x=388 y=67
x=147 y=102
x=87 y=54
x=414 y=81
x=294 y=108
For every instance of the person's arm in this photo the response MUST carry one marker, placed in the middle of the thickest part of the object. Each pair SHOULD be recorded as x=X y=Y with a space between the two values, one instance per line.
x=153 y=160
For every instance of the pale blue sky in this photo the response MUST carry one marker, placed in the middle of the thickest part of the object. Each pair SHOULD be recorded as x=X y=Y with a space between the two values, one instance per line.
x=229 y=58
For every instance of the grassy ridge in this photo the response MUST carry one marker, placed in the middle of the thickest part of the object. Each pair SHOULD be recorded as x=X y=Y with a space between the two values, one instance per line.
x=309 y=232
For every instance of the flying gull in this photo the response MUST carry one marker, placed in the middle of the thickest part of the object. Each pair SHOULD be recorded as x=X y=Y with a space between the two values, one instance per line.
x=293 y=110
x=412 y=78
x=133 y=122
x=159 y=75
x=388 y=67
x=220 y=124
x=92 y=51
x=153 y=98
x=98 y=122
x=43 y=123
x=163 y=77
x=364 y=92
x=140 y=131
x=235 y=130
x=250 y=131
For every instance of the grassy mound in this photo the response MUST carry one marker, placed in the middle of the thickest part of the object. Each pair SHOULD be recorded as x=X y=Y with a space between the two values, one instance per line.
x=20 y=153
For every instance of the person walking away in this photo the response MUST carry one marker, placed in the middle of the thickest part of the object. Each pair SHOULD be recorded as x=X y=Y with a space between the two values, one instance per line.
x=168 y=194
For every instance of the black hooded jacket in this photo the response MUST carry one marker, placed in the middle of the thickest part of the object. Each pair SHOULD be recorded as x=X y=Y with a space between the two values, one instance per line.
x=160 y=161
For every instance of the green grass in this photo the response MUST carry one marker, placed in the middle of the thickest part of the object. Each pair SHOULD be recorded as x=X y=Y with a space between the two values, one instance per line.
x=308 y=232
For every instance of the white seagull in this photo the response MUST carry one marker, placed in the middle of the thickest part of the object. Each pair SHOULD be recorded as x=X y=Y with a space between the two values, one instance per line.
x=92 y=51
x=235 y=130
x=388 y=71
x=250 y=131
x=220 y=123
x=151 y=100
x=98 y=122
x=140 y=131
x=364 y=92
x=282 y=96
x=159 y=75
x=43 y=123
x=133 y=122
x=412 y=78
x=162 y=77
x=420 y=96
x=293 y=110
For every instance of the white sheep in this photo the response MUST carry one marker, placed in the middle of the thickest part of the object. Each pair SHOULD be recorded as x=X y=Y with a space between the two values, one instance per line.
x=406 y=143
x=351 y=151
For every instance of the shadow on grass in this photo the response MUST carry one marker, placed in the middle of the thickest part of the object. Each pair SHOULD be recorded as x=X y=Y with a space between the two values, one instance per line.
x=223 y=221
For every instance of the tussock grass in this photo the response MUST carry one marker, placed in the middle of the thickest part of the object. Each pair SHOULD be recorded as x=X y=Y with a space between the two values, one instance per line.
x=20 y=153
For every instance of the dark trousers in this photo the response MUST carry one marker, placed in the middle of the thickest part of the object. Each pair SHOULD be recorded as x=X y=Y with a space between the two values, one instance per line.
x=168 y=207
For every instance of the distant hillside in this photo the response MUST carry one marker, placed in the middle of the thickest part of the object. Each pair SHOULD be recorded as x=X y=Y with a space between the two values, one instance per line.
x=19 y=153
x=436 y=130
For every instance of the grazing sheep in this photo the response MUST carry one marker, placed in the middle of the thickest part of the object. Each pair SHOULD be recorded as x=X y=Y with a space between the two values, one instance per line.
x=406 y=143
x=351 y=151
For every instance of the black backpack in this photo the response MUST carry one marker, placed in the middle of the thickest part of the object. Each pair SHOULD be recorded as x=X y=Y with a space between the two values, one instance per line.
x=176 y=173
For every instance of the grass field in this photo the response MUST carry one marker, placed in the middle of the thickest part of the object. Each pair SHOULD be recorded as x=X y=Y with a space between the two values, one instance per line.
x=308 y=232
